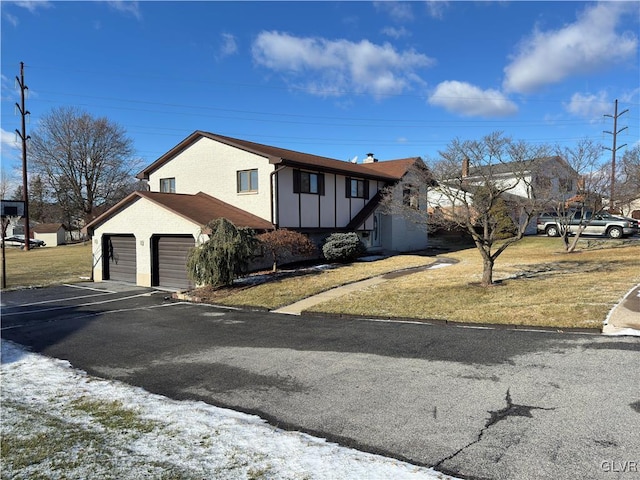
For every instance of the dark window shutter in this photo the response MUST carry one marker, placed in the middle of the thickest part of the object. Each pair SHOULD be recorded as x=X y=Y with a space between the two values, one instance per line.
x=347 y=184
x=296 y=181
x=366 y=189
x=321 y=184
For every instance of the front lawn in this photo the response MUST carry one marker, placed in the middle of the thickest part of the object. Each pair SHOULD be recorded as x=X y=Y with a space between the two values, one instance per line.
x=48 y=266
x=539 y=285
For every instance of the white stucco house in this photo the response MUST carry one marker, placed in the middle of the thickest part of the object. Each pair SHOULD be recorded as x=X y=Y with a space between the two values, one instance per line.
x=145 y=238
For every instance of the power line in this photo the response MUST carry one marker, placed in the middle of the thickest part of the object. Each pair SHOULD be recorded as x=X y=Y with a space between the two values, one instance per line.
x=614 y=149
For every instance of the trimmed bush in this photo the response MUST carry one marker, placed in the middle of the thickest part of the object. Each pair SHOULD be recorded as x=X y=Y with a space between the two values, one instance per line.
x=343 y=247
x=283 y=244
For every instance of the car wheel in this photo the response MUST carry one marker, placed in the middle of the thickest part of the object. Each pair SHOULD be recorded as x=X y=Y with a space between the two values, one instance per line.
x=615 y=232
x=552 y=231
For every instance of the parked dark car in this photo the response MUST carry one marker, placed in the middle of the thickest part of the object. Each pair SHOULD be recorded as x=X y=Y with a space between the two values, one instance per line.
x=18 y=241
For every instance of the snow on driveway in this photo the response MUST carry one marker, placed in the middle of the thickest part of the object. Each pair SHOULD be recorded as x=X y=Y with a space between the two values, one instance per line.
x=185 y=439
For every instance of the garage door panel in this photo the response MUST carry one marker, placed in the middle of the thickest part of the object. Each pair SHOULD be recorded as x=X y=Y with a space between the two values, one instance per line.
x=121 y=258
x=171 y=261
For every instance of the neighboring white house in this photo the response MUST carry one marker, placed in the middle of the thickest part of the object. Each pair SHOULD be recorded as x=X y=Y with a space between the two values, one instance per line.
x=630 y=208
x=144 y=239
x=52 y=234
x=548 y=179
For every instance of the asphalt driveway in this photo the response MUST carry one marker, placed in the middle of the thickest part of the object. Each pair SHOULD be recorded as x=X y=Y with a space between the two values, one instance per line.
x=477 y=403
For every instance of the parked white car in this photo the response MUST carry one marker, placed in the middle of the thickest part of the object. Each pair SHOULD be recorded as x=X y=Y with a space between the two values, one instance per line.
x=18 y=241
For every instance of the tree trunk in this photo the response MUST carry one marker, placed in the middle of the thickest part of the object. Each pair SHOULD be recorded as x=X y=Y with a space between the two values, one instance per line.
x=487 y=272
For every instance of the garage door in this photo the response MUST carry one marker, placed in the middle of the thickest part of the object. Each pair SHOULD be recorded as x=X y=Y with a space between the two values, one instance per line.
x=120 y=258
x=170 y=255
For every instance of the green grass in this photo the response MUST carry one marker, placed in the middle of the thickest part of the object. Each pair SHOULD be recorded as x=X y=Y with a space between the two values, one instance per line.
x=48 y=266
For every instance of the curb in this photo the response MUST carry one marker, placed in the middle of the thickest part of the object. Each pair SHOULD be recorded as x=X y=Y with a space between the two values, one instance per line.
x=453 y=323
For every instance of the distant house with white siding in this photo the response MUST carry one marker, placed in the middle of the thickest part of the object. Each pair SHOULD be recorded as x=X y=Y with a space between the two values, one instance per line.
x=53 y=234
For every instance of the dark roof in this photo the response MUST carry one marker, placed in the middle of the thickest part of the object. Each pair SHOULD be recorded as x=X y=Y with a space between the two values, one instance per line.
x=391 y=172
x=393 y=168
x=47 y=227
x=199 y=208
x=510 y=167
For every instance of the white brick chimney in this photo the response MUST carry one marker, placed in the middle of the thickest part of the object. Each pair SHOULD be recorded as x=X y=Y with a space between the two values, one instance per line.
x=370 y=158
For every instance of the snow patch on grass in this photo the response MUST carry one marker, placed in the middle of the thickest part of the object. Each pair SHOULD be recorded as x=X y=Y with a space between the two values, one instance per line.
x=59 y=422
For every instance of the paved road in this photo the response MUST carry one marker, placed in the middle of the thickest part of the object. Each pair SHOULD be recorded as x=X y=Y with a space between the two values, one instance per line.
x=475 y=403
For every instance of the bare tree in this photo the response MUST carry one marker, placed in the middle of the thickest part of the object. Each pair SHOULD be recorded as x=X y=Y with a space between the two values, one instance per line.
x=85 y=161
x=585 y=159
x=483 y=188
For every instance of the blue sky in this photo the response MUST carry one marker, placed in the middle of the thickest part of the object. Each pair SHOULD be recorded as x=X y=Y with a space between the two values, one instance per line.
x=337 y=79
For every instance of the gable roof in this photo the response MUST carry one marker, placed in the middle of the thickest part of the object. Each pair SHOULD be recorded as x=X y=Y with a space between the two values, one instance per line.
x=510 y=167
x=199 y=209
x=47 y=227
x=386 y=170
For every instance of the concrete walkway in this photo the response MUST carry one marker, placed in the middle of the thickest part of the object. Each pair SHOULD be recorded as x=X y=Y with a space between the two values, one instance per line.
x=298 y=307
x=624 y=318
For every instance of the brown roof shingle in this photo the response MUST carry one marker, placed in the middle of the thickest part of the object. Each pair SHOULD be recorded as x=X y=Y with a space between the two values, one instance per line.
x=199 y=208
x=386 y=170
x=47 y=227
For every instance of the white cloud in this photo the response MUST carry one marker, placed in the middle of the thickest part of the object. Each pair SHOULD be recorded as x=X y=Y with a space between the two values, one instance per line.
x=436 y=8
x=468 y=100
x=589 y=106
x=396 y=32
x=12 y=19
x=589 y=44
x=228 y=46
x=8 y=141
x=127 y=7
x=398 y=11
x=333 y=67
x=33 y=5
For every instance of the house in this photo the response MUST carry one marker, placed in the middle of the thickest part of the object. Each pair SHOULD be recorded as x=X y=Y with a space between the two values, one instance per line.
x=145 y=238
x=540 y=182
x=53 y=234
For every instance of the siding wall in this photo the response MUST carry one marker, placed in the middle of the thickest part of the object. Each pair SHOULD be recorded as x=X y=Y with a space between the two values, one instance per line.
x=308 y=210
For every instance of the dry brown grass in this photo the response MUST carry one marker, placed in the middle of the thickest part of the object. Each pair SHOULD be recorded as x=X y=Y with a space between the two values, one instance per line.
x=539 y=285
x=285 y=291
x=47 y=266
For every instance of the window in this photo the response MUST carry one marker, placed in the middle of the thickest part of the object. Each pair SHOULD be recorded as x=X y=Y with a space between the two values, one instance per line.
x=168 y=185
x=410 y=197
x=247 y=181
x=356 y=188
x=308 y=182
x=543 y=182
x=565 y=185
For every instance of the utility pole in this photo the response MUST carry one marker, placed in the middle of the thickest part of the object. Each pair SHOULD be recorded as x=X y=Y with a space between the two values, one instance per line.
x=614 y=149
x=24 y=137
